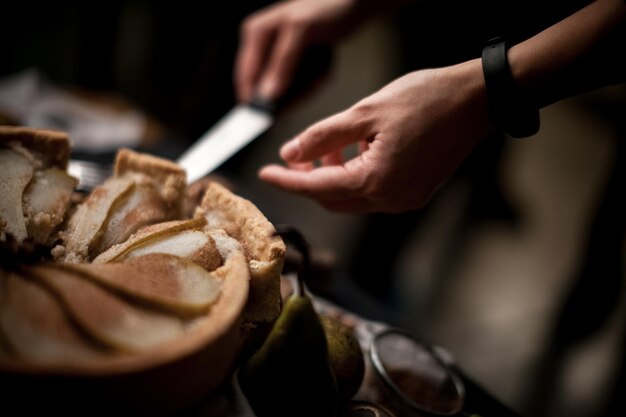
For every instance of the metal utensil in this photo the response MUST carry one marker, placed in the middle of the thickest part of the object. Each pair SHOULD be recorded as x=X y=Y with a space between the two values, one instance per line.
x=417 y=378
x=246 y=122
x=89 y=174
x=239 y=127
x=236 y=129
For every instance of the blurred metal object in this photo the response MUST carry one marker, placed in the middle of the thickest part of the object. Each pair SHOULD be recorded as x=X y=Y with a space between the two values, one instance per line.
x=417 y=379
x=235 y=130
x=89 y=174
x=366 y=409
x=247 y=122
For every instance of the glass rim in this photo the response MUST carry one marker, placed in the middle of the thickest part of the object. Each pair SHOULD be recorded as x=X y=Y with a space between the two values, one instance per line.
x=380 y=369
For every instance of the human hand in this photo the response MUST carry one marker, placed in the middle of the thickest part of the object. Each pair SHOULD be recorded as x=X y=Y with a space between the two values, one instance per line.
x=274 y=39
x=412 y=135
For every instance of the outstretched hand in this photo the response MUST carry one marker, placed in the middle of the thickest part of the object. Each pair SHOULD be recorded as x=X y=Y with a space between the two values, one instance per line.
x=411 y=136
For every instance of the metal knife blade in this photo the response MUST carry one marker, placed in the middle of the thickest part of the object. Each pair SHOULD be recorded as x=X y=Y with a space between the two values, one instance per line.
x=246 y=122
x=240 y=126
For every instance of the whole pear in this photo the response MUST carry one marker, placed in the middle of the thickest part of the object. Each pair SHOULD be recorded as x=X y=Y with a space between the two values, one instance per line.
x=346 y=357
x=291 y=374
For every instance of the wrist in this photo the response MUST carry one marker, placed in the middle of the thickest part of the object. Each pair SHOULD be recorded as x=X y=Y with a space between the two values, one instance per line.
x=470 y=85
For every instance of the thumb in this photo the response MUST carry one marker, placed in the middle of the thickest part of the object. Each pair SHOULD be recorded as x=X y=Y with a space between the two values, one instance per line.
x=322 y=138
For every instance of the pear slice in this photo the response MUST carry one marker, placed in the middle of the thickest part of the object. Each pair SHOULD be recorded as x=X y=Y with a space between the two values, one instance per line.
x=183 y=238
x=168 y=177
x=143 y=206
x=106 y=317
x=157 y=196
x=46 y=200
x=147 y=234
x=15 y=175
x=194 y=245
x=36 y=328
x=145 y=190
x=164 y=281
x=89 y=221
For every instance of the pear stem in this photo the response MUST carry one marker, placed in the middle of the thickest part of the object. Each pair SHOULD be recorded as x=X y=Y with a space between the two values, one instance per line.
x=293 y=237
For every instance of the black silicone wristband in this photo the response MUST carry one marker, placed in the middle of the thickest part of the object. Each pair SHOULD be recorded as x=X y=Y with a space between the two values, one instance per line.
x=509 y=109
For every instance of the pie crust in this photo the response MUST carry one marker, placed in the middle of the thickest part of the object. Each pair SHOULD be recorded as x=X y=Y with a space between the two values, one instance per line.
x=126 y=221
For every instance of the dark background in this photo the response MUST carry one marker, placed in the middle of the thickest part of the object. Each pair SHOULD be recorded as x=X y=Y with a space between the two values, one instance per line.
x=516 y=266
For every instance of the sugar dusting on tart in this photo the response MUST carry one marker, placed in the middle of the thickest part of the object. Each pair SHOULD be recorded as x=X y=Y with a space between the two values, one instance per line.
x=125 y=271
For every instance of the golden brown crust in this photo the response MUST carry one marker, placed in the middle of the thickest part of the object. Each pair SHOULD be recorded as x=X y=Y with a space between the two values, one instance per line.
x=157 y=168
x=265 y=251
x=242 y=220
x=51 y=147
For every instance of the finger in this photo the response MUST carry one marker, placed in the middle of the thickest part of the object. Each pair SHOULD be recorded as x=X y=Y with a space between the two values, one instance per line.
x=323 y=183
x=325 y=137
x=257 y=36
x=282 y=64
x=333 y=158
x=364 y=145
x=302 y=166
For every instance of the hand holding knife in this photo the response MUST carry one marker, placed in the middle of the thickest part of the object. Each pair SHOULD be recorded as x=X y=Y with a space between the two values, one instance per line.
x=246 y=122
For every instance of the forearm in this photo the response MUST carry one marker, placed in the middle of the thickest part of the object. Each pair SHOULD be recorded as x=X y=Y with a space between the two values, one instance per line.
x=578 y=54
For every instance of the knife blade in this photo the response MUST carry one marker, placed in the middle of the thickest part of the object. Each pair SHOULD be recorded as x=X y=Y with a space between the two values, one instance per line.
x=240 y=126
x=246 y=122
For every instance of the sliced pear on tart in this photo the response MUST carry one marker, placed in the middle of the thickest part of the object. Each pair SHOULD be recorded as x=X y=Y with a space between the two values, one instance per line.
x=16 y=173
x=88 y=223
x=142 y=206
x=37 y=329
x=184 y=238
x=106 y=317
x=153 y=192
x=34 y=163
x=165 y=177
x=165 y=282
x=46 y=200
x=195 y=245
x=158 y=195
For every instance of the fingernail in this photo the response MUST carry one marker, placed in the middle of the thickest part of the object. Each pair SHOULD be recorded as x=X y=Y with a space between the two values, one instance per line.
x=290 y=151
x=261 y=172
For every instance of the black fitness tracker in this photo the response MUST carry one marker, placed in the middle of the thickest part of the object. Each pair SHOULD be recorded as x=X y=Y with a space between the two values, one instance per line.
x=509 y=109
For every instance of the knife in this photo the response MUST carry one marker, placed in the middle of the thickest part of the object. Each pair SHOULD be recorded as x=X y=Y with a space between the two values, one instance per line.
x=246 y=122
x=240 y=126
